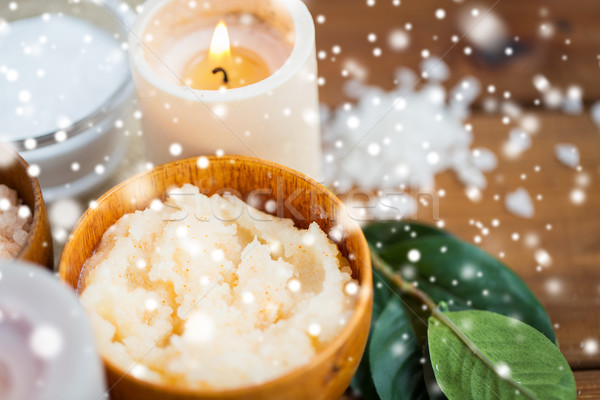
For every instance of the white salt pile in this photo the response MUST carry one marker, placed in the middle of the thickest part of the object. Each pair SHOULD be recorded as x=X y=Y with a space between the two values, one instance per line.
x=226 y=297
x=15 y=220
x=403 y=138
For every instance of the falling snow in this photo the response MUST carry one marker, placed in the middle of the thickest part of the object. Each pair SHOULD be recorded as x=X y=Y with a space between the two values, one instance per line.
x=46 y=341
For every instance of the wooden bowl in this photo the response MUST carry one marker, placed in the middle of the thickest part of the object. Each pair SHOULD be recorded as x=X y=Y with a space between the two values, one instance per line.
x=38 y=247
x=329 y=373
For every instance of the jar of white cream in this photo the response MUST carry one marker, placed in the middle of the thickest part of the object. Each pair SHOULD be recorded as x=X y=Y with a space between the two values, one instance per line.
x=65 y=86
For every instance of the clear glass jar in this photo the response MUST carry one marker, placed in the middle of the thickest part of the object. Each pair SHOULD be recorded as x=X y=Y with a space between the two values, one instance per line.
x=73 y=159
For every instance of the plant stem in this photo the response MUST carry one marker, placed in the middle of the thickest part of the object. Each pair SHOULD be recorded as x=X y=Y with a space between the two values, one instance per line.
x=394 y=277
x=411 y=289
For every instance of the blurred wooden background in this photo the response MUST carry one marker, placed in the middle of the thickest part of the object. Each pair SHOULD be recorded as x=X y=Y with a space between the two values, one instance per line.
x=539 y=32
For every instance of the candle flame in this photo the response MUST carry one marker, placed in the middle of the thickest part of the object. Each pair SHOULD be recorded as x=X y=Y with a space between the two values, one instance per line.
x=219 y=46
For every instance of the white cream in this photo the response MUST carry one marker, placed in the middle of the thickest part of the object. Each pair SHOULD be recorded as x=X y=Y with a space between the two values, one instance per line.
x=63 y=84
x=56 y=70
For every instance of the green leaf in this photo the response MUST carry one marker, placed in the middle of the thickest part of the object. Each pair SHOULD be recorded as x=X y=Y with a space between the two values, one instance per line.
x=392 y=241
x=395 y=355
x=498 y=358
x=362 y=381
x=383 y=291
x=463 y=275
x=433 y=389
x=390 y=233
x=417 y=317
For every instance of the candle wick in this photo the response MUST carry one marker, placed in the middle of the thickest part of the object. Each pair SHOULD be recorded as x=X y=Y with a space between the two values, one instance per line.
x=219 y=69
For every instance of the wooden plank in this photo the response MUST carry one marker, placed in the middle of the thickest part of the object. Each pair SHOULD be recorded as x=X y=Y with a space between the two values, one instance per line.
x=588 y=384
x=348 y=22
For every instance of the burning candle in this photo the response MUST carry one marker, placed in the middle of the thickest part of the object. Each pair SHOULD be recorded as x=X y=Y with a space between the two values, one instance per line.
x=224 y=67
x=246 y=87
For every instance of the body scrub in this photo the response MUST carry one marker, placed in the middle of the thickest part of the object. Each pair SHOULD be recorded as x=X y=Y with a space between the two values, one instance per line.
x=15 y=221
x=206 y=292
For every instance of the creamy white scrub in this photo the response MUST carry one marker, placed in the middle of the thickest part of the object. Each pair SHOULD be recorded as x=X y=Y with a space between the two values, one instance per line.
x=211 y=293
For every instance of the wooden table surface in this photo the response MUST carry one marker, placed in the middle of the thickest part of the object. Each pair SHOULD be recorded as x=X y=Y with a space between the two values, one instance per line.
x=570 y=287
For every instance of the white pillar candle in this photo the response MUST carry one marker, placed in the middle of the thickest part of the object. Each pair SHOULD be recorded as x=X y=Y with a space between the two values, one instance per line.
x=46 y=345
x=276 y=118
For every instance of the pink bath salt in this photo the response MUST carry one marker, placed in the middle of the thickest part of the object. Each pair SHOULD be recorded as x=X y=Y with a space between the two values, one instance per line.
x=8 y=248
x=20 y=237
x=14 y=228
x=8 y=193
